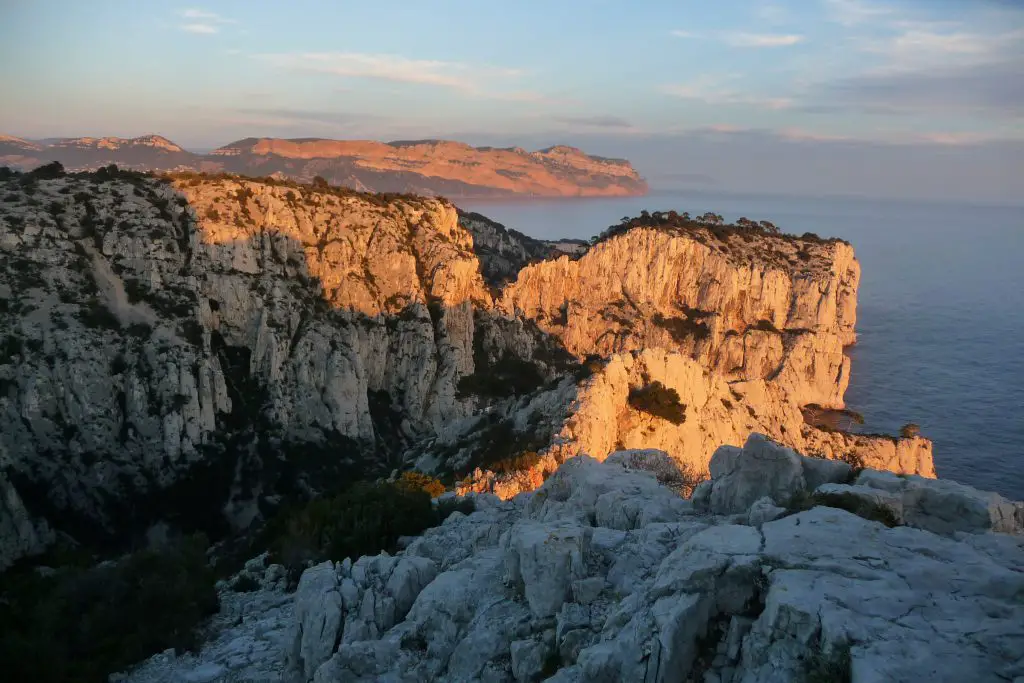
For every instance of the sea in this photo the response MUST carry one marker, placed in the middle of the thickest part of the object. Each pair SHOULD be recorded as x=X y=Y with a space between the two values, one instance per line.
x=940 y=317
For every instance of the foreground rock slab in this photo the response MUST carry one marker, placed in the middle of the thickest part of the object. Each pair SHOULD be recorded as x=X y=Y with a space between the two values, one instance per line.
x=605 y=574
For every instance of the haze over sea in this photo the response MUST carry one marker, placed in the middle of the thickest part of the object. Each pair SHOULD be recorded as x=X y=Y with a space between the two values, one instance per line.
x=940 y=318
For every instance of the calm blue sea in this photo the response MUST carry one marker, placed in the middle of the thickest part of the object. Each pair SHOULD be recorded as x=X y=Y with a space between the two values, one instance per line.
x=940 y=316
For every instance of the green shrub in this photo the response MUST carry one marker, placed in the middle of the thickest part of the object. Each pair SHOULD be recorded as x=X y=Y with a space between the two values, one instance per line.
x=658 y=400
x=507 y=377
x=447 y=506
x=50 y=171
x=245 y=584
x=765 y=326
x=682 y=329
x=910 y=430
x=96 y=315
x=84 y=624
x=417 y=481
x=364 y=520
x=516 y=463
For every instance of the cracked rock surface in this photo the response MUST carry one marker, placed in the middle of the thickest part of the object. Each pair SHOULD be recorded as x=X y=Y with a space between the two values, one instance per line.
x=563 y=584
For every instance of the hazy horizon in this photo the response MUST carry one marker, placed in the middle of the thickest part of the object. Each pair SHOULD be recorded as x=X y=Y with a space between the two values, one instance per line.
x=904 y=99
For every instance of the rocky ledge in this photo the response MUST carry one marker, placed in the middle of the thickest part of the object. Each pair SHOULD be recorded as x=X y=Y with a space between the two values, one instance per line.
x=781 y=568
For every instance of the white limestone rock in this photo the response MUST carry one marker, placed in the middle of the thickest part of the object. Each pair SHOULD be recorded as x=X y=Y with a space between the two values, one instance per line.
x=761 y=468
x=947 y=507
x=763 y=510
x=525 y=584
x=543 y=560
x=318 y=619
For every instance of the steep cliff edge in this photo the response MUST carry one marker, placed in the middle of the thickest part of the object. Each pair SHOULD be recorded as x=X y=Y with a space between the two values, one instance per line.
x=201 y=350
x=173 y=339
x=749 y=306
x=603 y=414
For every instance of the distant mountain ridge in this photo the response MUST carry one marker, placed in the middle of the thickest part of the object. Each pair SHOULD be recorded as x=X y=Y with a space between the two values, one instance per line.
x=427 y=167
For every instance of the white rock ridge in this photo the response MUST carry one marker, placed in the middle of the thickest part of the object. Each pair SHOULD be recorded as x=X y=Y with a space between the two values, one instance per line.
x=773 y=307
x=604 y=574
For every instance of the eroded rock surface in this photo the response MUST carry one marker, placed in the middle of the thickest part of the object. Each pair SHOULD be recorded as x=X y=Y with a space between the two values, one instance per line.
x=771 y=308
x=603 y=574
x=206 y=348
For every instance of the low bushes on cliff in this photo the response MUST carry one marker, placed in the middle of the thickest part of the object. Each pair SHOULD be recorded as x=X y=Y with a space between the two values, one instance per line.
x=507 y=377
x=682 y=329
x=658 y=400
x=81 y=624
x=364 y=520
x=417 y=481
x=910 y=431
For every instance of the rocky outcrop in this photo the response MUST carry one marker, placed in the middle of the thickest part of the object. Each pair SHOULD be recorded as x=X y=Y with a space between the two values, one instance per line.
x=427 y=167
x=603 y=574
x=152 y=328
x=748 y=306
x=599 y=418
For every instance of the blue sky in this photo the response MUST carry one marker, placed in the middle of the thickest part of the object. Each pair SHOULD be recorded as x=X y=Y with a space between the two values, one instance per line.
x=619 y=77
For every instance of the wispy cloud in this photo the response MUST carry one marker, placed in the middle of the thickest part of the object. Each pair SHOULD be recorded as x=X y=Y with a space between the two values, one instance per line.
x=762 y=39
x=471 y=79
x=200 y=28
x=712 y=91
x=743 y=39
x=855 y=12
x=202 y=21
x=595 y=121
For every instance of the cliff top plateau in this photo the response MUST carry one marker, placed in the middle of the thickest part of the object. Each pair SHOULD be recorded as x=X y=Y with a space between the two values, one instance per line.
x=428 y=167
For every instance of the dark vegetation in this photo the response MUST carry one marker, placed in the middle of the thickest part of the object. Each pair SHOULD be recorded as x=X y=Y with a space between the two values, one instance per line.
x=658 y=400
x=318 y=185
x=676 y=223
x=363 y=520
x=910 y=430
x=834 y=667
x=509 y=376
x=81 y=624
x=685 y=328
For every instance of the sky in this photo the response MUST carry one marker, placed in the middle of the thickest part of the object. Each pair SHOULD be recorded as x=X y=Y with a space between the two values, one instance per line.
x=914 y=98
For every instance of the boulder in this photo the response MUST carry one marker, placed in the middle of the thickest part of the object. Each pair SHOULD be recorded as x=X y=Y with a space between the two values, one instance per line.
x=544 y=560
x=318 y=620
x=507 y=592
x=740 y=476
x=943 y=506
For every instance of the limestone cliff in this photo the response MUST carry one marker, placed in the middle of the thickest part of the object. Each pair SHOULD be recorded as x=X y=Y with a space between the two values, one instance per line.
x=598 y=418
x=749 y=307
x=200 y=350
x=157 y=334
x=425 y=167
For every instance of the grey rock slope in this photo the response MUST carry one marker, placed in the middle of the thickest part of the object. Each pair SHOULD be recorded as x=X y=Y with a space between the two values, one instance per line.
x=165 y=344
x=605 y=574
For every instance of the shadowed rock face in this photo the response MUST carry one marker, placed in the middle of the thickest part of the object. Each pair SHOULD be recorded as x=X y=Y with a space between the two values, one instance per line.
x=429 y=167
x=197 y=351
